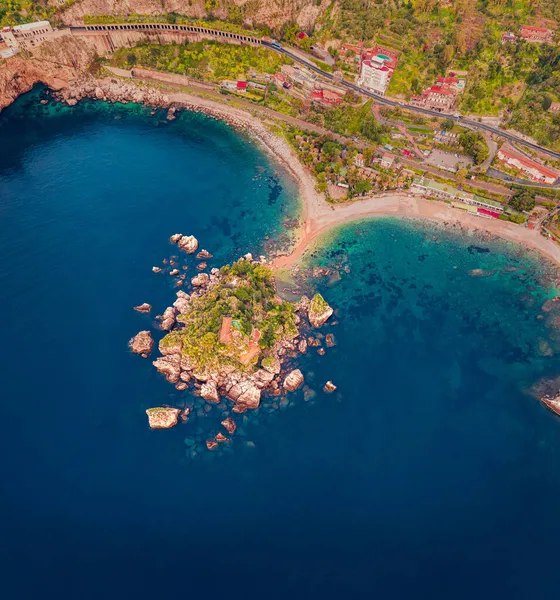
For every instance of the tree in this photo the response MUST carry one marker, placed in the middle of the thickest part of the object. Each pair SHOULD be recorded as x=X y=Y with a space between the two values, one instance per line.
x=462 y=176
x=362 y=186
x=131 y=59
x=447 y=125
x=523 y=200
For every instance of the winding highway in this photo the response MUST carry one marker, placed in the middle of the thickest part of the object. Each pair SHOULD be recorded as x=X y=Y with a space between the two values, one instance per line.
x=431 y=113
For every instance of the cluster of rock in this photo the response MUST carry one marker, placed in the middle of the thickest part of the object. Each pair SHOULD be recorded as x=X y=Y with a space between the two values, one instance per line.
x=113 y=90
x=243 y=387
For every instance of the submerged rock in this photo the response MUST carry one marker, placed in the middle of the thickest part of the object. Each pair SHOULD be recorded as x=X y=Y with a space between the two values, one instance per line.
x=329 y=339
x=293 y=380
x=142 y=343
x=319 y=311
x=329 y=387
x=229 y=425
x=163 y=418
x=221 y=437
x=211 y=444
x=143 y=308
x=156 y=269
x=204 y=254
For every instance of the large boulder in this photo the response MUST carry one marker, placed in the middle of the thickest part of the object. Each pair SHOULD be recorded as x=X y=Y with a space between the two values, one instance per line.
x=209 y=391
x=142 y=343
x=271 y=364
x=245 y=393
x=182 y=303
x=170 y=366
x=188 y=243
x=168 y=345
x=200 y=279
x=319 y=311
x=262 y=378
x=162 y=418
x=293 y=380
x=168 y=319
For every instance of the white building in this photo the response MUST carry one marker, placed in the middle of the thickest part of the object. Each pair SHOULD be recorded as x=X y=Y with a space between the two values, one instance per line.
x=28 y=36
x=375 y=75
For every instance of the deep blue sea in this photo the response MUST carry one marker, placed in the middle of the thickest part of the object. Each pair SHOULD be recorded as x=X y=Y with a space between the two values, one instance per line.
x=428 y=474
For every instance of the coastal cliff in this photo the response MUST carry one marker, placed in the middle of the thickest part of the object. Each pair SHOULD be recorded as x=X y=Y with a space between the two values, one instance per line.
x=55 y=63
x=273 y=13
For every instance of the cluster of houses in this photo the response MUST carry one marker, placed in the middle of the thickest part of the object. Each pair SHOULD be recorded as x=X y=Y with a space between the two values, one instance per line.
x=530 y=168
x=442 y=95
x=24 y=37
x=539 y=35
x=303 y=83
x=483 y=207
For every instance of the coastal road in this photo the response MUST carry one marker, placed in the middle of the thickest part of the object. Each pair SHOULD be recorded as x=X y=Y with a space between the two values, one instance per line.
x=423 y=111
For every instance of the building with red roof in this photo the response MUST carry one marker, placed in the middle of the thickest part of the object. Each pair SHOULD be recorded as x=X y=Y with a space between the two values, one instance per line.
x=533 y=169
x=242 y=86
x=540 y=35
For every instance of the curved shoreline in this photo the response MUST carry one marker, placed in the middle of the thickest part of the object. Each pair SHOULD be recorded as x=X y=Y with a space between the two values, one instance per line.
x=319 y=215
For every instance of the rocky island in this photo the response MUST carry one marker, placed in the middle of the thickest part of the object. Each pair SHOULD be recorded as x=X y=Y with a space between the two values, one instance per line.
x=232 y=337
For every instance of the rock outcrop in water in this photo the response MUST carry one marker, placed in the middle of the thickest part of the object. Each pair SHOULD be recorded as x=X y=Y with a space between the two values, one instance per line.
x=163 y=418
x=143 y=308
x=142 y=343
x=188 y=243
x=319 y=311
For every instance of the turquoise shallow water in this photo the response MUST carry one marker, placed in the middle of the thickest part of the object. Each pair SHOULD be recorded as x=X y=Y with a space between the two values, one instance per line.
x=428 y=474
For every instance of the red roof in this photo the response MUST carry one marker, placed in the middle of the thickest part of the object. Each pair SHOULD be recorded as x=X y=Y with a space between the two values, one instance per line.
x=241 y=85
x=448 y=80
x=435 y=89
x=535 y=29
x=509 y=152
x=317 y=94
x=490 y=213
x=301 y=35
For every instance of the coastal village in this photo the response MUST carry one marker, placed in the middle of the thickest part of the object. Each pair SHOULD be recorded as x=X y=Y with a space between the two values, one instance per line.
x=354 y=146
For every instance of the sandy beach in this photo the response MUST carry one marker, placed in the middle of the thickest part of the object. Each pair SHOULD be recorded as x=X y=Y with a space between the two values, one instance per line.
x=319 y=215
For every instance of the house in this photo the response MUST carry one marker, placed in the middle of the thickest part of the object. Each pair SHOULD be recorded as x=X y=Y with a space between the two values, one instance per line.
x=531 y=168
x=454 y=84
x=27 y=36
x=350 y=53
x=387 y=160
x=301 y=35
x=390 y=57
x=241 y=86
x=326 y=97
x=359 y=160
x=508 y=36
x=435 y=98
x=540 y=35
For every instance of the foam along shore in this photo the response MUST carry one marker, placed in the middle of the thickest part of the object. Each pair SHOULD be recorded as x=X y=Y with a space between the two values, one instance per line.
x=318 y=214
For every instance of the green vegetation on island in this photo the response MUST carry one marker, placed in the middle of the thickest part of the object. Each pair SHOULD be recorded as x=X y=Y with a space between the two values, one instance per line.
x=256 y=318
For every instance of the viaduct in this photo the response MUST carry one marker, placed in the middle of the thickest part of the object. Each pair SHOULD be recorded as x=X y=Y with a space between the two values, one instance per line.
x=107 y=38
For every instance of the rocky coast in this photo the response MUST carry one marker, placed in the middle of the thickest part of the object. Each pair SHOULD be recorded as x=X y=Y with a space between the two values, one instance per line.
x=230 y=339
